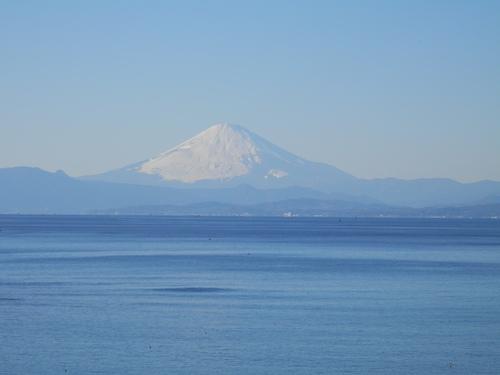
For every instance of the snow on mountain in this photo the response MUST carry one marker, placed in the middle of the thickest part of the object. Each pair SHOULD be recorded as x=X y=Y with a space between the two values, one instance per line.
x=228 y=155
x=220 y=152
x=226 y=163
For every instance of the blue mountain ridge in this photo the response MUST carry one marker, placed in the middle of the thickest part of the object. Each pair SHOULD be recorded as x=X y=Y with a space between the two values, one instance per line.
x=228 y=156
x=27 y=190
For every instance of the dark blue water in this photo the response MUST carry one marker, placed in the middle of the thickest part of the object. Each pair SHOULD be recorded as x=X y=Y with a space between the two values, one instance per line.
x=245 y=295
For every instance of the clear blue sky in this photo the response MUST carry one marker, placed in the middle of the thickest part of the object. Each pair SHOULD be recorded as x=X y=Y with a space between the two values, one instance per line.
x=405 y=89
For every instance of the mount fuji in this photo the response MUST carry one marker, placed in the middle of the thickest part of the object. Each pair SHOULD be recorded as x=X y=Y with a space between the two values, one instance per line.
x=229 y=165
x=226 y=156
x=229 y=156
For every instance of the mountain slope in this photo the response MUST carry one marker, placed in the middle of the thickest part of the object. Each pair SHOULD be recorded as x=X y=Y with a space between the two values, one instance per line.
x=424 y=192
x=34 y=191
x=228 y=155
x=221 y=152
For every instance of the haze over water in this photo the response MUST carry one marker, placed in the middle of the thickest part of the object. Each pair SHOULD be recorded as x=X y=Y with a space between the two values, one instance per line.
x=248 y=295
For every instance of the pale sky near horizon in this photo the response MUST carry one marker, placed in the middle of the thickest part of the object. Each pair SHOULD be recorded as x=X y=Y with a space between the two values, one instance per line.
x=405 y=89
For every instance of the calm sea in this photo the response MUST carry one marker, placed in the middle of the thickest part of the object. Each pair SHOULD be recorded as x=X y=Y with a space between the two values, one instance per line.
x=247 y=295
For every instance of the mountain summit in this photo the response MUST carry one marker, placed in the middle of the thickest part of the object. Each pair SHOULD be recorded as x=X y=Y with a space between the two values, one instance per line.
x=228 y=155
x=219 y=153
x=230 y=165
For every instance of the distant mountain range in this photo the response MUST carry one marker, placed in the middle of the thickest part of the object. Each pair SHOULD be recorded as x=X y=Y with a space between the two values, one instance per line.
x=227 y=156
x=229 y=170
x=25 y=190
x=32 y=190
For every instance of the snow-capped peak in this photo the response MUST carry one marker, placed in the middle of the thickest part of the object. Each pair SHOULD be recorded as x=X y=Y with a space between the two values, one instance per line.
x=221 y=152
x=228 y=155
